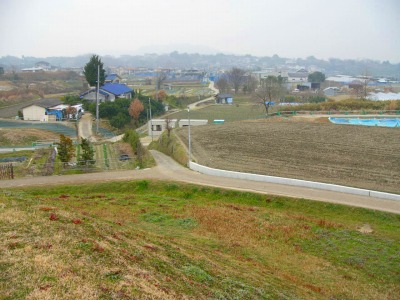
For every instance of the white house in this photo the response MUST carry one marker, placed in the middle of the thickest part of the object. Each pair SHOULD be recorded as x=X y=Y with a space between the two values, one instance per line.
x=38 y=110
x=300 y=76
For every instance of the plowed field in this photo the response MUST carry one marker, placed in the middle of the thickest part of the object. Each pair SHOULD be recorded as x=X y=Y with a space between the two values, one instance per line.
x=364 y=157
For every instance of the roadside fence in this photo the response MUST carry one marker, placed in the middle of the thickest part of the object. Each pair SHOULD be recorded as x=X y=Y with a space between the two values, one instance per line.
x=49 y=167
x=6 y=171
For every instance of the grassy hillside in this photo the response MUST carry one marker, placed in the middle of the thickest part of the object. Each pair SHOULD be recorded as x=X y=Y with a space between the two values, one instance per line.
x=160 y=240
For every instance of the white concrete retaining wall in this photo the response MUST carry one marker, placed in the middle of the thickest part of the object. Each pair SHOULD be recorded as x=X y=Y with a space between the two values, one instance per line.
x=295 y=182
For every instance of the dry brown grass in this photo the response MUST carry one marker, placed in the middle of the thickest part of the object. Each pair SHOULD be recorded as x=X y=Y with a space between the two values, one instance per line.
x=25 y=136
x=126 y=241
x=245 y=227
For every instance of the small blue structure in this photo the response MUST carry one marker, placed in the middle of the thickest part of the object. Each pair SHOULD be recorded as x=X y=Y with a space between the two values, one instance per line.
x=223 y=99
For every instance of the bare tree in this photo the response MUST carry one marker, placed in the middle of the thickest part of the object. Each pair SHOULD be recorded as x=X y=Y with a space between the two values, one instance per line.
x=222 y=85
x=236 y=78
x=270 y=89
x=168 y=126
x=366 y=79
x=250 y=84
x=160 y=78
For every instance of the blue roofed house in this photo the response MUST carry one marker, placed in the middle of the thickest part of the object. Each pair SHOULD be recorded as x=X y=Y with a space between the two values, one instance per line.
x=112 y=78
x=109 y=92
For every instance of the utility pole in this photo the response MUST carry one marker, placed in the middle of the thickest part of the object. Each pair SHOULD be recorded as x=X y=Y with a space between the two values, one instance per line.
x=190 y=144
x=97 y=99
x=151 y=121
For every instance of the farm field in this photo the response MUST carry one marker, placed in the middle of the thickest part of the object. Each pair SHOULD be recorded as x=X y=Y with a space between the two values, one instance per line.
x=229 y=113
x=309 y=149
x=66 y=128
x=25 y=136
x=180 y=88
x=38 y=162
x=161 y=240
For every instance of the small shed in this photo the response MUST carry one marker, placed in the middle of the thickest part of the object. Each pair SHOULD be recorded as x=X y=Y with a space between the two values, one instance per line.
x=223 y=99
x=38 y=110
x=156 y=127
x=193 y=122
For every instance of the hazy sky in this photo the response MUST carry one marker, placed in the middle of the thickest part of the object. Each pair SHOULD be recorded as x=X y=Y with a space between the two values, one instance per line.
x=354 y=29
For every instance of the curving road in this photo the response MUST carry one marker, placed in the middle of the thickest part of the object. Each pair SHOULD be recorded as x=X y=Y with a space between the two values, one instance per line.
x=168 y=169
x=212 y=87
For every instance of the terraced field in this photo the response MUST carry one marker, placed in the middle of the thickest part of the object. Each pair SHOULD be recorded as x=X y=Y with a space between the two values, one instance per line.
x=364 y=157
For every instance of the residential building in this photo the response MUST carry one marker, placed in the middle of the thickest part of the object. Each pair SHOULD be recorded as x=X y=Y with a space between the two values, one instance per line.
x=112 y=78
x=108 y=92
x=39 y=110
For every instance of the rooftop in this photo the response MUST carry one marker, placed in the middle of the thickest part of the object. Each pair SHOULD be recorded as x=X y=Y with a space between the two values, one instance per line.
x=45 y=103
x=116 y=88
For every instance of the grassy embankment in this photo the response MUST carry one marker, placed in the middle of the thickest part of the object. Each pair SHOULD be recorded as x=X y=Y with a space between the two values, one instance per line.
x=171 y=146
x=167 y=241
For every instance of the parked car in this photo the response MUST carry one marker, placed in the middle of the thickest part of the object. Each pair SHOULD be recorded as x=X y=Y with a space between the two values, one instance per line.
x=124 y=157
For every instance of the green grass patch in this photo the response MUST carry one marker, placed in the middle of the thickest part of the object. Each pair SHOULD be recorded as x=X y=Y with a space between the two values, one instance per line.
x=229 y=113
x=171 y=146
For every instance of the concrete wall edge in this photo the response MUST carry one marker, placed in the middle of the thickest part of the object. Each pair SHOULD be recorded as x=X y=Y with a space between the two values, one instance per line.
x=294 y=182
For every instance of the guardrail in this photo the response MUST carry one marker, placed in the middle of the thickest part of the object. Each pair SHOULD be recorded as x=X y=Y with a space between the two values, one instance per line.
x=294 y=182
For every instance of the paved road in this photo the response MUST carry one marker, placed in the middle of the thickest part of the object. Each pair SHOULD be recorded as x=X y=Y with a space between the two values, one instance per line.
x=168 y=169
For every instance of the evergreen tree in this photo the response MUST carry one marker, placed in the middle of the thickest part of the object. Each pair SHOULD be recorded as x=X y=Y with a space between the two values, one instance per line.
x=65 y=149
x=87 y=156
x=90 y=71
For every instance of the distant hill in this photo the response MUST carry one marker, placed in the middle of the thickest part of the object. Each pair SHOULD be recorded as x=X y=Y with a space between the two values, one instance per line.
x=218 y=61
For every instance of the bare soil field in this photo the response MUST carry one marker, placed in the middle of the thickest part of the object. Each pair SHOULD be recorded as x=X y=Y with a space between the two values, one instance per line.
x=24 y=136
x=308 y=149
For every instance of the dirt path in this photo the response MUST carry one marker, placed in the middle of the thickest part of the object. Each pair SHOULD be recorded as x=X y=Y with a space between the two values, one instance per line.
x=168 y=169
x=211 y=87
x=85 y=127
